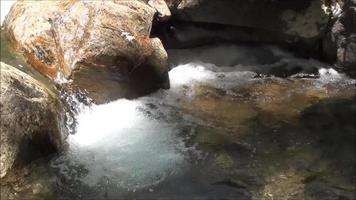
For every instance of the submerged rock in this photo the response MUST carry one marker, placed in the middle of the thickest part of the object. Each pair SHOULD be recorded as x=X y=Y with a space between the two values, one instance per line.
x=217 y=107
x=30 y=119
x=103 y=46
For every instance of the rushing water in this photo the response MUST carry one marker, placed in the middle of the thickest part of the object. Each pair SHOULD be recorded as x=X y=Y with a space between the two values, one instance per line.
x=229 y=128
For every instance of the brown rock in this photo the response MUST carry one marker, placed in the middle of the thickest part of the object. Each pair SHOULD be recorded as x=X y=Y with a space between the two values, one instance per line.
x=104 y=43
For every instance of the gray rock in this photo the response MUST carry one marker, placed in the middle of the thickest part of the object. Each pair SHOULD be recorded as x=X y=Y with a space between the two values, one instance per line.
x=339 y=44
x=301 y=19
x=30 y=119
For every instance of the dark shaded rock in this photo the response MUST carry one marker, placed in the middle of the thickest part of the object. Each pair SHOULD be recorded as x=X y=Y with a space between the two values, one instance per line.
x=295 y=23
x=332 y=116
x=339 y=43
x=321 y=190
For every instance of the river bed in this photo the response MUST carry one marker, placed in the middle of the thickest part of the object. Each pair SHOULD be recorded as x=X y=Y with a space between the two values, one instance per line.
x=239 y=122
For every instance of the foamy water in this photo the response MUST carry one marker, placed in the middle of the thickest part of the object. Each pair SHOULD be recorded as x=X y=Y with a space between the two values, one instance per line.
x=118 y=141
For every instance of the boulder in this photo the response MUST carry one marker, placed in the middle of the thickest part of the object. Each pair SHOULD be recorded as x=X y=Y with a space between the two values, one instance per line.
x=304 y=18
x=31 y=123
x=289 y=22
x=339 y=43
x=103 y=46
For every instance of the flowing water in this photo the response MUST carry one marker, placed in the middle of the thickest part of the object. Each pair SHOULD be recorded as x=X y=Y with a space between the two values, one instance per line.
x=239 y=122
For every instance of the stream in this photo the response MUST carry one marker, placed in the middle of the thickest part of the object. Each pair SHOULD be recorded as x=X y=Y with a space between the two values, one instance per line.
x=239 y=122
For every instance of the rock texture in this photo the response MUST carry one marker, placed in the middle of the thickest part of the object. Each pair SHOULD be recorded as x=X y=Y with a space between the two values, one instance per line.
x=98 y=44
x=302 y=18
x=290 y=22
x=161 y=7
x=339 y=44
x=318 y=28
x=30 y=120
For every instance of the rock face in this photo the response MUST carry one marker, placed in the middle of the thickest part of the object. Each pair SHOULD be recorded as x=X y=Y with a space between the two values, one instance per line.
x=97 y=44
x=30 y=121
x=339 y=44
x=321 y=28
x=302 y=18
x=290 y=22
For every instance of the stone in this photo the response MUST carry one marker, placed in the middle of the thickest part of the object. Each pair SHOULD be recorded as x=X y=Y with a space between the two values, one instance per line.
x=213 y=105
x=31 y=122
x=101 y=45
x=161 y=7
x=339 y=43
x=294 y=22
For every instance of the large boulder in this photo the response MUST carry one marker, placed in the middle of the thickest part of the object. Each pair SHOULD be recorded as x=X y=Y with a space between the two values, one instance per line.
x=31 y=121
x=301 y=22
x=103 y=46
x=303 y=18
x=324 y=29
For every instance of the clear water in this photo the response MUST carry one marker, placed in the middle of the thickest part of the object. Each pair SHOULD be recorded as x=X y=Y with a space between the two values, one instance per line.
x=228 y=128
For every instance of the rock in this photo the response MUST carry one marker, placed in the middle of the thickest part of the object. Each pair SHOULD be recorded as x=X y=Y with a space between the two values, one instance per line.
x=218 y=108
x=161 y=7
x=338 y=115
x=303 y=18
x=103 y=46
x=339 y=44
x=30 y=119
x=293 y=22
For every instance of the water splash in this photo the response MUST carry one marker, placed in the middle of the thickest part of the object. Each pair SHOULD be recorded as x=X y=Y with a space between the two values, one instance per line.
x=118 y=141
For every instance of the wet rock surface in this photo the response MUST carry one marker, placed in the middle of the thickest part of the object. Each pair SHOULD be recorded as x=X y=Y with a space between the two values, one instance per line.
x=31 y=122
x=339 y=44
x=107 y=43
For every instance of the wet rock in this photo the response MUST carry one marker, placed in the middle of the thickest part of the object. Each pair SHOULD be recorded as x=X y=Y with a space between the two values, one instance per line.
x=297 y=22
x=285 y=100
x=231 y=183
x=339 y=44
x=224 y=161
x=31 y=124
x=332 y=115
x=284 y=185
x=321 y=190
x=103 y=46
x=215 y=106
x=212 y=137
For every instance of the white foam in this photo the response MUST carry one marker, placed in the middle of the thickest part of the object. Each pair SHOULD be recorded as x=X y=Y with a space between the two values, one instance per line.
x=128 y=36
x=189 y=72
x=117 y=141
